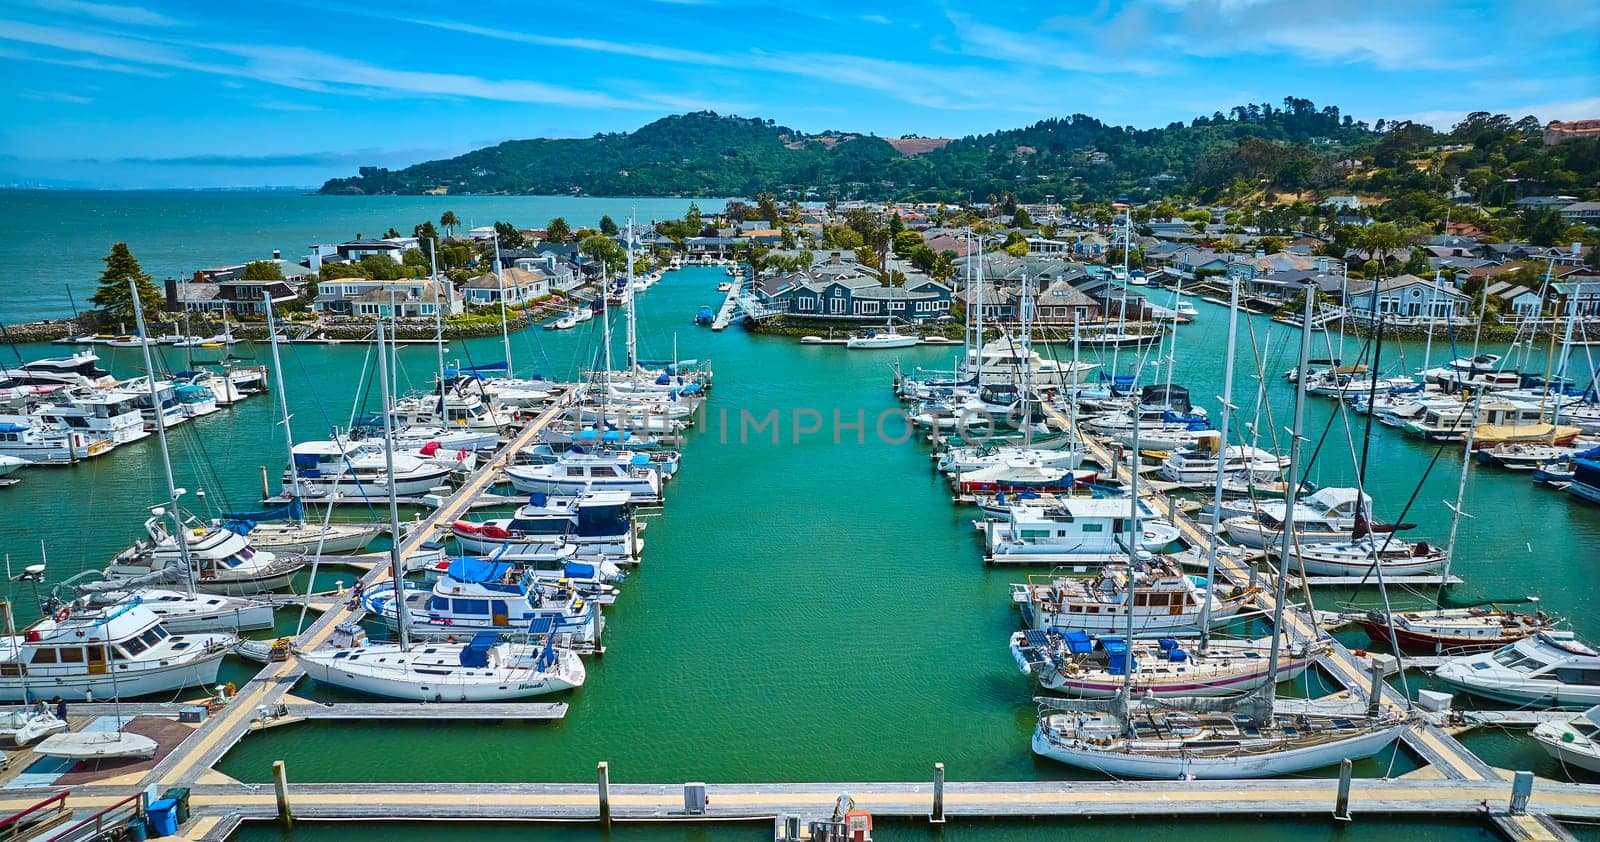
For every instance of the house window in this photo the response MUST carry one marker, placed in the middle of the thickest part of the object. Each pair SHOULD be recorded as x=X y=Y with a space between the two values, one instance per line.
x=837 y=305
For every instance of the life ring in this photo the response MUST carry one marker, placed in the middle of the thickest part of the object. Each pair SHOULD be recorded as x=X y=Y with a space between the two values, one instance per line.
x=63 y=614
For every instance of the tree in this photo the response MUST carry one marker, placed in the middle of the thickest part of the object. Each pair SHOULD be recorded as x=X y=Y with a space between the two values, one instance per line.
x=391 y=234
x=1417 y=263
x=113 y=298
x=333 y=271
x=448 y=222
x=1021 y=219
x=508 y=235
x=557 y=230
x=382 y=267
x=767 y=204
x=1380 y=239
x=261 y=270
x=426 y=236
x=692 y=219
x=608 y=227
x=907 y=242
x=601 y=247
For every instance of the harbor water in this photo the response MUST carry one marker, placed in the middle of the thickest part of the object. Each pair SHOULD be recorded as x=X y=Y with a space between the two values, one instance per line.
x=811 y=606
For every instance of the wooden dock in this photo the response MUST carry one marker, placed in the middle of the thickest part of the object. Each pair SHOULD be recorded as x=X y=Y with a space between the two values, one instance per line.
x=730 y=305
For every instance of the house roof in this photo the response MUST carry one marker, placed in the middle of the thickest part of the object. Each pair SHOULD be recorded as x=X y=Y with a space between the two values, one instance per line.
x=198 y=292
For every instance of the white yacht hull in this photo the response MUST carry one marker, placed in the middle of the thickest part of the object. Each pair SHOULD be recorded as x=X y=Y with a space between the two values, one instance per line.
x=201 y=672
x=489 y=686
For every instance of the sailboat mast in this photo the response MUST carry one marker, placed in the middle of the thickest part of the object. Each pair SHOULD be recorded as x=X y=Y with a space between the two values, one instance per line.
x=1072 y=404
x=1222 y=459
x=605 y=318
x=283 y=395
x=1291 y=494
x=178 y=533
x=438 y=320
x=1026 y=366
x=1133 y=563
x=401 y=614
x=977 y=321
x=505 y=332
x=633 y=330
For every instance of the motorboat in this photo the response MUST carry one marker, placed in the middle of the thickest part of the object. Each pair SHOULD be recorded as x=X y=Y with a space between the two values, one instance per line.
x=662 y=461
x=116 y=652
x=1327 y=515
x=1057 y=453
x=358 y=468
x=594 y=522
x=81 y=369
x=1085 y=531
x=40 y=443
x=572 y=478
x=1167 y=603
x=571 y=319
x=181 y=612
x=475 y=595
x=163 y=402
x=109 y=414
x=11 y=464
x=1001 y=361
x=1196 y=467
x=1549 y=669
x=482 y=668
x=1573 y=742
x=1080 y=665
x=462 y=409
x=222 y=560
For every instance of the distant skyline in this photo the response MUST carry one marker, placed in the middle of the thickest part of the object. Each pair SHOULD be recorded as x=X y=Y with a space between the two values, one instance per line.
x=195 y=94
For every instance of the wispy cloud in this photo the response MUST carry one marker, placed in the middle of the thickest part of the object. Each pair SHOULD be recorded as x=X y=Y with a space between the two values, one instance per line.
x=115 y=13
x=1568 y=109
x=305 y=69
x=55 y=96
x=879 y=19
x=82 y=63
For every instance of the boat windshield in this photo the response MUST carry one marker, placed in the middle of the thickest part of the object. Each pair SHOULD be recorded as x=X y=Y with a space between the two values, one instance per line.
x=1510 y=658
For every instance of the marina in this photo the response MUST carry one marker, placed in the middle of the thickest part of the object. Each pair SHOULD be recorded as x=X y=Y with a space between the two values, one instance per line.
x=266 y=718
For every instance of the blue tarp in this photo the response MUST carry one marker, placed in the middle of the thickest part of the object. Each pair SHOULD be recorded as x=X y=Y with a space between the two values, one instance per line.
x=578 y=570
x=478 y=570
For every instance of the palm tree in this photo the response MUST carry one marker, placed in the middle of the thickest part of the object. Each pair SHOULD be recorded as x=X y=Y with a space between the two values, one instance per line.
x=449 y=222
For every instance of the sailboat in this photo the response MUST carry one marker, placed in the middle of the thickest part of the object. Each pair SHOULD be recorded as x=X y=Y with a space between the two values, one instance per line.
x=485 y=668
x=1197 y=738
x=874 y=339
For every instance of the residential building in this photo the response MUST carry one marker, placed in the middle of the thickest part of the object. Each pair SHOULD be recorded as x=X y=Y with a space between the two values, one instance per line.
x=516 y=286
x=1408 y=297
x=1585 y=212
x=407 y=298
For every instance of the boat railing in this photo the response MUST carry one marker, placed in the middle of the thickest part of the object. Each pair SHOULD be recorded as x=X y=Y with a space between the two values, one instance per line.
x=98 y=825
x=32 y=820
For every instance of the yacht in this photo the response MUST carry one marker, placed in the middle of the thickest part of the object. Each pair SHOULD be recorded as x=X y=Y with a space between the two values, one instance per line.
x=1001 y=360
x=663 y=462
x=1574 y=742
x=358 y=468
x=484 y=668
x=1523 y=456
x=1197 y=466
x=166 y=395
x=595 y=522
x=1077 y=664
x=116 y=652
x=1461 y=629
x=1325 y=516
x=1363 y=556
x=110 y=415
x=1020 y=474
x=222 y=560
x=43 y=443
x=569 y=479
x=285 y=529
x=1056 y=453
x=463 y=409
x=196 y=399
x=1077 y=532
x=1549 y=669
x=475 y=595
x=80 y=369
x=1167 y=603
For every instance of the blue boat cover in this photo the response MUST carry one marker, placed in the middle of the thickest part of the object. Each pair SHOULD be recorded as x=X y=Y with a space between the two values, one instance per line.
x=478 y=570
x=641 y=459
x=538 y=498
x=542 y=625
x=476 y=652
x=578 y=570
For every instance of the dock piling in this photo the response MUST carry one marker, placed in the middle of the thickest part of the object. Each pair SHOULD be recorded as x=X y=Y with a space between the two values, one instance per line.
x=280 y=784
x=937 y=816
x=603 y=774
x=1521 y=791
x=1341 y=804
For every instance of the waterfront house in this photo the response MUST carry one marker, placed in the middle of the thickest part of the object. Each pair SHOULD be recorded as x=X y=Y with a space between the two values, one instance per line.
x=1408 y=297
x=223 y=289
x=856 y=297
x=518 y=286
x=407 y=297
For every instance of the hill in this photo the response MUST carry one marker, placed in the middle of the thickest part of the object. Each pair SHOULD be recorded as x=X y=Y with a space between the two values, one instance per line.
x=1253 y=149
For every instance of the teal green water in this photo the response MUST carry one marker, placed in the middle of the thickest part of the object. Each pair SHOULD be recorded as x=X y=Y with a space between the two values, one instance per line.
x=806 y=610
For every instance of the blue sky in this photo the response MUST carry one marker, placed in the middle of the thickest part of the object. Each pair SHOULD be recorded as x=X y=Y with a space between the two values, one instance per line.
x=176 y=94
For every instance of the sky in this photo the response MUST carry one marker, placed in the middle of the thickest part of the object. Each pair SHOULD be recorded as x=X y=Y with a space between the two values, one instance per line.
x=204 y=94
